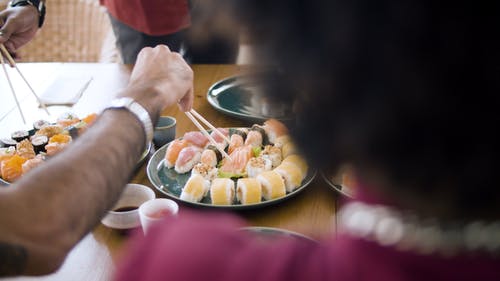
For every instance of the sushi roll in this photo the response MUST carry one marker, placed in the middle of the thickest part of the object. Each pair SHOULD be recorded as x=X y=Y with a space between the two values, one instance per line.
x=7 y=152
x=291 y=174
x=25 y=149
x=20 y=135
x=49 y=130
x=12 y=168
x=188 y=157
x=196 y=138
x=261 y=131
x=89 y=119
x=236 y=141
x=37 y=125
x=288 y=149
x=32 y=163
x=281 y=141
x=73 y=130
x=257 y=165
x=248 y=191
x=273 y=185
x=274 y=129
x=195 y=189
x=207 y=172
x=60 y=138
x=39 y=143
x=8 y=142
x=272 y=153
x=67 y=119
x=298 y=161
x=173 y=150
x=211 y=156
x=254 y=138
x=222 y=192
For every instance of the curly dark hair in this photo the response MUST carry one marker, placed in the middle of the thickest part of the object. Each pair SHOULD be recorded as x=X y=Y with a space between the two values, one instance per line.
x=406 y=91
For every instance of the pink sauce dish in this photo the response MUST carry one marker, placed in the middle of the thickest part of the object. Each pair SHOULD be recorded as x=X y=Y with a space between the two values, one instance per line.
x=155 y=210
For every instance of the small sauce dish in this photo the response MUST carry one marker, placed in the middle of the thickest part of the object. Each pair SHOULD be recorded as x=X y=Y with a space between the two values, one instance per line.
x=125 y=213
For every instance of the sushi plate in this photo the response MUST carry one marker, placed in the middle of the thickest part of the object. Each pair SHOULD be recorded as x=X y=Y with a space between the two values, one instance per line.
x=241 y=97
x=274 y=233
x=170 y=183
x=342 y=189
x=141 y=161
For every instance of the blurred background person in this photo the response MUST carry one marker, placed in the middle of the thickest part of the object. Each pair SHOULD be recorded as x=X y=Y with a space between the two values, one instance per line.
x=404 y=92
x=147 y=23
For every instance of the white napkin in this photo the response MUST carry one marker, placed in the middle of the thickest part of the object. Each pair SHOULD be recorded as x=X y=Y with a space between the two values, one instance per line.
x=65 y=90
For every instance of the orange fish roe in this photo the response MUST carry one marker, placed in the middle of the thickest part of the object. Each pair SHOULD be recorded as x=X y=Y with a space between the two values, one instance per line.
x=60 y=138
x=12 y=168
x=67 y=122
x=89 y=119
x=7 y=153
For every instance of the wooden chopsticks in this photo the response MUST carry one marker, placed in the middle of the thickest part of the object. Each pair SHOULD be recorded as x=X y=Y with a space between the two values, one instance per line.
x=11 y=87
x=200 y=127
x=197 y=115
x=13 y=63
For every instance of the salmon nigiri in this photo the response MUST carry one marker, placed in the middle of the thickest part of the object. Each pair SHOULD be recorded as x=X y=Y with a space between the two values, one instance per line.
x=173 y=151
x=188 y=157
x=196 y=138
x=238 y=162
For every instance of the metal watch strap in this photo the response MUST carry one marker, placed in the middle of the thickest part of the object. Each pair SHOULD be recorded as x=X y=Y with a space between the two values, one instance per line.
x=142 y=114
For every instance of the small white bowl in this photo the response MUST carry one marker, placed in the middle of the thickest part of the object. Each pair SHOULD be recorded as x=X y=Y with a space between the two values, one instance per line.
x=155 y=210
x=132 y=196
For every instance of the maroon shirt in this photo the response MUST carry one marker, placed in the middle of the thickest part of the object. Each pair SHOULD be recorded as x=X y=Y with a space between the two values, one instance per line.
x=198 y=246
x=153 y=17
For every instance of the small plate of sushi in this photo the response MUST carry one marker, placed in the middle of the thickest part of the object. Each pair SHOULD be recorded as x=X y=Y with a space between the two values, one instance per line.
x=272 y=233
x=26 y=149
x=241 y=97
x=264 y=168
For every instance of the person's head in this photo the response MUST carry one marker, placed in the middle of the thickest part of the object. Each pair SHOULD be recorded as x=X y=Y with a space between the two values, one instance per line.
x=406 y=91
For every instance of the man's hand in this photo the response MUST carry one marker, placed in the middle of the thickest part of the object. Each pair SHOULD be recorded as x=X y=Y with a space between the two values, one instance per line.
x=18 y=25
x=161 y=78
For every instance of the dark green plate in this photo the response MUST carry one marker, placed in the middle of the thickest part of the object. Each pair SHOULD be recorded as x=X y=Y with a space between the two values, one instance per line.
x=240 y=97
x=170 y=183
x=344 y=190
x=274 y=233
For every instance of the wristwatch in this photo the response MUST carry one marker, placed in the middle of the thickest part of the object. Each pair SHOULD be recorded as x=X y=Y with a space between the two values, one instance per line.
x=38 y=4
x=139 y=112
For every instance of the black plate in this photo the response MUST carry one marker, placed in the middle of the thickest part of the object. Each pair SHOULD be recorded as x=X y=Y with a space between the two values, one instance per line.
x=273 y=233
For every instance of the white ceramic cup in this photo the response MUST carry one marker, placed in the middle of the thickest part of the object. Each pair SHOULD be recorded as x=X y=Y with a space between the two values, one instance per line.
x=134 y=195
x=164 y=131
x=152 y=211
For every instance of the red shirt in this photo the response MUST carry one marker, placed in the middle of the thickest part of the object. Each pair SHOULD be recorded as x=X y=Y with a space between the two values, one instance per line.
x=153 y=17
x=198 y=246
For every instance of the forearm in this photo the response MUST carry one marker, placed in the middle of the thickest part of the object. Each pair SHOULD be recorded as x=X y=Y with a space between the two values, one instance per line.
x=45 y=213
x=82 y=182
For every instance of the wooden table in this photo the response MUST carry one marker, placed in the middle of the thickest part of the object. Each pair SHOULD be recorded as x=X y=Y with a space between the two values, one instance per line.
x=312 y=212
